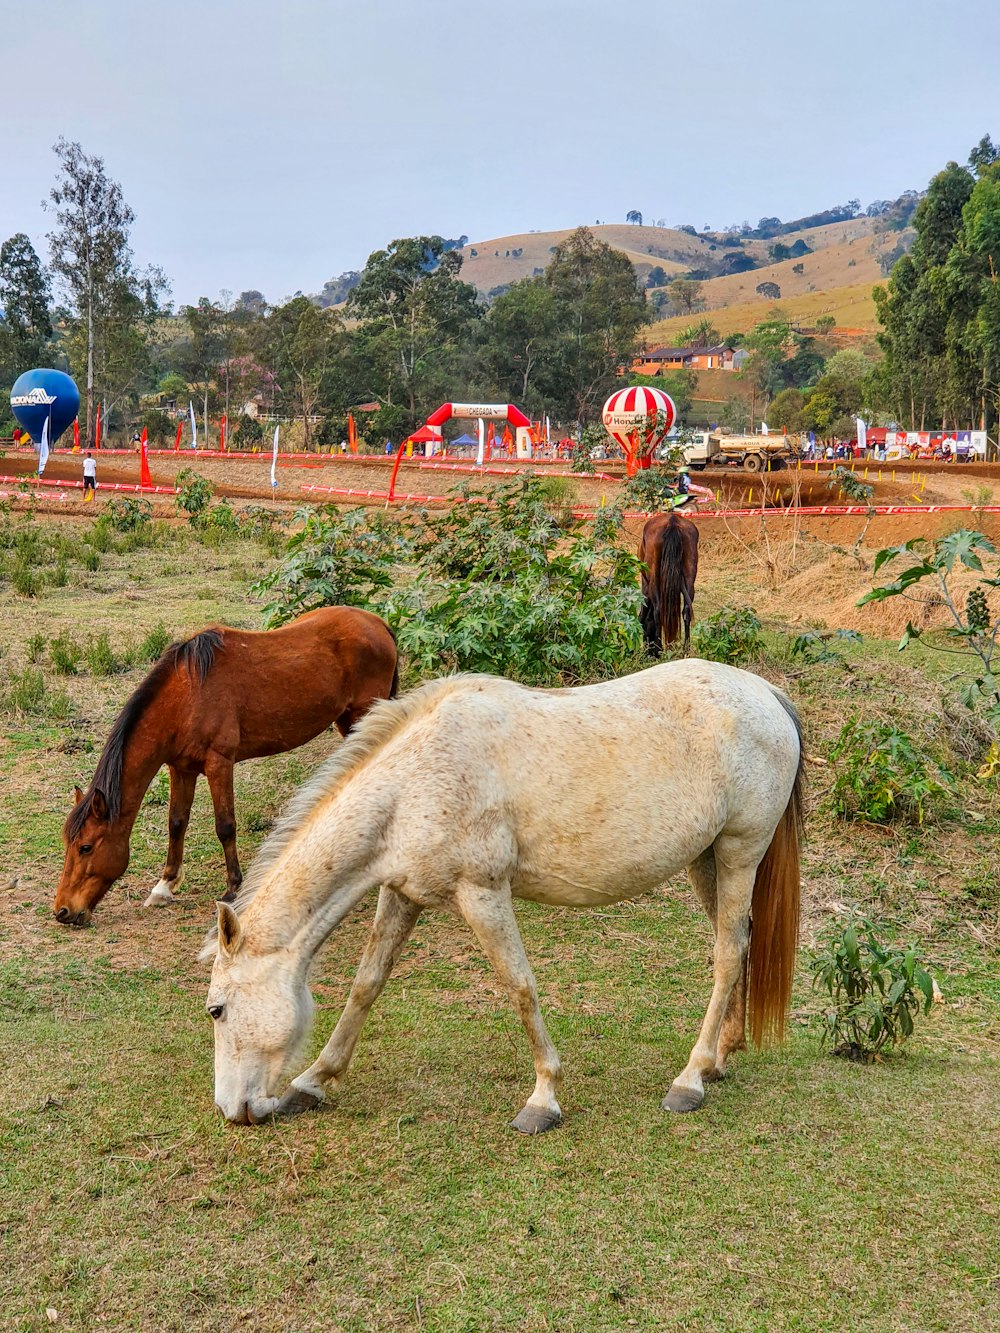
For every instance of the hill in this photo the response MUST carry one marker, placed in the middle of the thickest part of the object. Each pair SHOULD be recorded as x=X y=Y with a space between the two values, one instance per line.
x=834 y=277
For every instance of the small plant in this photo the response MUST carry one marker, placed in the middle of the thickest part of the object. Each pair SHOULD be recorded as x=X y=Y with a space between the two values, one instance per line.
x=24 y=580
x=36 y=647
x=26 y=692
x=815 y=647
x=194 y=495
x=91 y=560
x=59 y=576
x=100 y=656
x=65 y=654
x=875 y=991
x=153 y=646
x=732 y=635
x=883 y=776
x=127 y=515
x=850 y=485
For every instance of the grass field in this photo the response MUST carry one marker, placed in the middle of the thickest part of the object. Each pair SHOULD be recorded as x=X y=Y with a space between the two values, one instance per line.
x=807 y=1194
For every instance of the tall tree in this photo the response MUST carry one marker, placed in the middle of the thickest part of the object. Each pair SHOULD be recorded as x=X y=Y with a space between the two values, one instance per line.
x=302 y=341
x=113 y=305
x=520 y=334
x=600 y=310
x=25 y=323
x=416 y=319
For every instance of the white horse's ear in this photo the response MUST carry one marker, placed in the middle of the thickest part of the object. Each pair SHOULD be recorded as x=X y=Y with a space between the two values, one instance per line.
x=230 y=931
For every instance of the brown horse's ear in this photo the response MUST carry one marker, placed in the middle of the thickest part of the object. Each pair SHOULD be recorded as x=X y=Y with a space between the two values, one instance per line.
x=230 y=930
x=99 y=805
x=77 y=795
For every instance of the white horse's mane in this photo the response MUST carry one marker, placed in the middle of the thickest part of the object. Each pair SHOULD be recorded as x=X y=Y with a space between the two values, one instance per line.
x=383 y=720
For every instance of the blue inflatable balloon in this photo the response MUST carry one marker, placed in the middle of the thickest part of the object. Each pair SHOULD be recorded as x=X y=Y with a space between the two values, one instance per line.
x=41 y=394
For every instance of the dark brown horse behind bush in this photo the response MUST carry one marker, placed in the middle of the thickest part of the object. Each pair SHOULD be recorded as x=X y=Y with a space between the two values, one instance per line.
x=220 y=697
x=669 y=550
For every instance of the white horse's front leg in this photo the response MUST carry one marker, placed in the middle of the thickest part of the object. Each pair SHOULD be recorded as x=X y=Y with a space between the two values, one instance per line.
x=734 y=892
x=395 y=917
x=490 y=914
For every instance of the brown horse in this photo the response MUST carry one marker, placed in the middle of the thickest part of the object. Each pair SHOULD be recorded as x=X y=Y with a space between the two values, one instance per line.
x=220 y=697
x=669 y=550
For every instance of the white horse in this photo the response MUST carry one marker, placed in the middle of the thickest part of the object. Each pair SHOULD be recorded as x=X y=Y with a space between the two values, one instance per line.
x=569 y=797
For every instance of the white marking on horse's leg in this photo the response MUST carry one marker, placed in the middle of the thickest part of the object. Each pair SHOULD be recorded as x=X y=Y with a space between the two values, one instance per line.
x=162 y=892
x=394 y=920
x=734 y=892
x=490 y=914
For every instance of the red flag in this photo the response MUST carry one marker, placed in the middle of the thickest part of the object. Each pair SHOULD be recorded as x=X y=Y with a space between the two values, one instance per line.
x=177 y=440
x=144 y=478
x=491 y=439
x=222 y=434
x=97 y=429
x=76 y=435
x=352 y=433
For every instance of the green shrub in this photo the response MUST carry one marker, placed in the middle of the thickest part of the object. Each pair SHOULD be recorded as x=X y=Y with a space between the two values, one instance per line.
x=36 y=647
x=127 y=515
x=874 y=991
x=193 y=496
x=100 y=537
x=732 y=635
x=101 y=658
x=91 y=560
x=26 y=692
x=154 y=645
x=882 y=775
x=59 y=576
x=815 y=646
x=65 y=654
x=24 y=580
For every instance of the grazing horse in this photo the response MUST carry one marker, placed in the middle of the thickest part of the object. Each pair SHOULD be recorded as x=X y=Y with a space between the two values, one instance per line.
x=669 y=550
x=689 y=764
x=220 y=697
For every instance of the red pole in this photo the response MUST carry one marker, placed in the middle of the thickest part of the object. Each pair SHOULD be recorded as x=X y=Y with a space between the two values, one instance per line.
x=395 y=469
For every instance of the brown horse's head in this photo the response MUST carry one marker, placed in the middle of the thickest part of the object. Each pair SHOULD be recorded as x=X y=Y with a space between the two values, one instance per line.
x=97 y=850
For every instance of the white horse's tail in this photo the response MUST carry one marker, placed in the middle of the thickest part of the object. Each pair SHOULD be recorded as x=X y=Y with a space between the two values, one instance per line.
x=774 y=931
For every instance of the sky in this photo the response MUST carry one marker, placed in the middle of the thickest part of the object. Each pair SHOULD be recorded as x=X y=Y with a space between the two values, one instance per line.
x=274 y=146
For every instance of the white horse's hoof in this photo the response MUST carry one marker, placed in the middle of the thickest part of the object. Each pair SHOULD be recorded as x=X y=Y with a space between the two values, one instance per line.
x=160 y=895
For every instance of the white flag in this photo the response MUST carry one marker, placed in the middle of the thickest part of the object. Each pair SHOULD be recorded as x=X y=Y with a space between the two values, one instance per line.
x=763 y=428
x=862 y=435
x=194 y=426
x=548 y=432
x=274 y=458
x=482 y=443
x=43 y=448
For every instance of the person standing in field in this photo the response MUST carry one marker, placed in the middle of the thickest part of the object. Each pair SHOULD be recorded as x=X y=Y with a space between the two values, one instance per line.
x=89 y=477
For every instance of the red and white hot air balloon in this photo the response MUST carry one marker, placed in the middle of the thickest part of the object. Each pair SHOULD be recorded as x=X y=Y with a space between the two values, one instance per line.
x=638 y=419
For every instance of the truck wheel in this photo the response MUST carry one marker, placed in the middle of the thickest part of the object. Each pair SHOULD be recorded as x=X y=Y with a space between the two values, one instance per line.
x=753 y=462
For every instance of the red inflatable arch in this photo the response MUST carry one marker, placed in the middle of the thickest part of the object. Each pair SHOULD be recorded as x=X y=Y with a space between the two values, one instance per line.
x=494 y=411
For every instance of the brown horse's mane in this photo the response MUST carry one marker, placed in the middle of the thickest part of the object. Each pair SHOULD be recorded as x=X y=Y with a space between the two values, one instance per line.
x=195 y=655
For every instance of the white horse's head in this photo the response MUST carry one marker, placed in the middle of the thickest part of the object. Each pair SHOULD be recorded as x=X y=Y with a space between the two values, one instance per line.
x=262 y=1011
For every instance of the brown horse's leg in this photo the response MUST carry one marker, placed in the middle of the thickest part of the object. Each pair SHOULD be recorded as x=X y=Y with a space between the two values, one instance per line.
x=182 y=787
x=219 y=772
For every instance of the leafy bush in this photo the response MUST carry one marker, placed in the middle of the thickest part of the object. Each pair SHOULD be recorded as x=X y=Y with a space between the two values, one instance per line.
x=335 y=559
x=882 y=775
x=36 y=647
x=25 y=692
x=850 y=485
x=814 y=646
x=875 y=991
x=65 y=654
x=732 y=635
x=249 y=432
x=153 y=646
x=570 y=618
x=91 y=561
x=101 y=658
x=126 y=515
x=975 y=635
x=492 y=536
x=194 y=495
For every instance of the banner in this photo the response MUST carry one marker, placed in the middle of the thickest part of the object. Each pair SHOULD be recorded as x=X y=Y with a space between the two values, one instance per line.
x=177 y=437
x=43 y=447
x=76 y=435
x=194 y=426
x=862 y=435
x=144 y=478
x=274 y=460
x=481 y=454
x=97 y=429
x=222 y=435
x=352 y=433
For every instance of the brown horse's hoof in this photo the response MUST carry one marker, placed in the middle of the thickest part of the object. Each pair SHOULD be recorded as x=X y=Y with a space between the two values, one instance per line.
x=295 y=1102
x=534 y=1120
x=229 y=896
x=680 y=1100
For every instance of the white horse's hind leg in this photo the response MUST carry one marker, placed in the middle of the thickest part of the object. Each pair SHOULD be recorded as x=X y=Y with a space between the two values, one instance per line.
x=732 y=933
x=394 y=920
x=733 y=1035
x=490 y=914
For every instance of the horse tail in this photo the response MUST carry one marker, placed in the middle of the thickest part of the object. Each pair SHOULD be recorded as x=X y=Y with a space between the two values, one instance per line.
x=774 y=914
x=394 y=687
x=670 y=582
